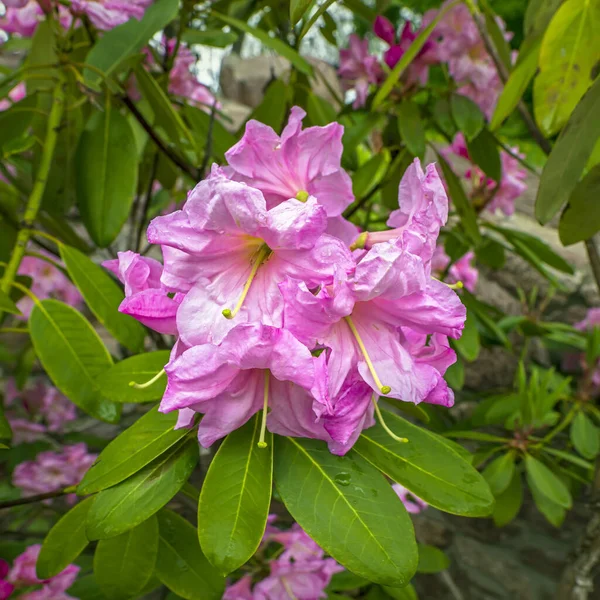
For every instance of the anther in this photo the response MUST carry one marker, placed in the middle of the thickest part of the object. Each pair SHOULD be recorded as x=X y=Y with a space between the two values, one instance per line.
x=402 y=440
x=143 y=386
x=453 y=286
x=360 y=242
x=263 y=426
x=302 y=195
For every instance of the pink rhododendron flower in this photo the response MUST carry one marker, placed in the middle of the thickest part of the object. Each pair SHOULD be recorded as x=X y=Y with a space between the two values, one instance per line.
x=6 y=588
x=592 y=319
x=298 y=164
x=15 y=95
x=358 y=69
x=463 y=270
x=23 y=16
x=106 y=14
x=240 y=590
x=51 y=471
x=412 y=503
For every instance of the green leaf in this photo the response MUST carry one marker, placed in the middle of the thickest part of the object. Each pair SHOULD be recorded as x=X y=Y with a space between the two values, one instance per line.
x=73 y=355
x=132 y=501
x=585 y=436
x=149 y=437
x=491 y=253
x=516 y=85
x=103 y=297
x=200 y=122
x=483 y=150
x=497 y=35
x=216 y=38
x=464 y=208
x=432 y=559
x=547 y=483
x=7 y=305
x=508 y=503
x=538 y=15
x=404 y=593
x=106 y=175
x=86 y=588
x=235 y=498
x=425 y=466
x=64 y=542
x=573 y=458
x=370 y=174
x=467 y=115
x=411 y=128
x=346 y=580
x=280 y=47
x=319 y=111
x=455 y=375
x=499 y=472
x=5 y=430
x=115 y=383
x=581 y=218
x=123 y=565
x=123 y=41
x=298 y=9
x=553 y=512
x=181 y=566
x=570 y=50
x=443 y=116
x=15 y=121
x=468 y=344
x=272 y=110
x=348 y=508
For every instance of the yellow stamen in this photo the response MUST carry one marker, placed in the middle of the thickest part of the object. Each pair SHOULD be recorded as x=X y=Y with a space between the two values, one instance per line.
x=263 y=425
x=361 y=241
x=261 y=255
x=143 y=386
x=302 y=195
x=453 y=286
x=288 y=589
x=385 y=389
x=384 y=425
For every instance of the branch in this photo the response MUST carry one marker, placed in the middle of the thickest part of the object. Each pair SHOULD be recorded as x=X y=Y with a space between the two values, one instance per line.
x=594 y=257
x=146 y=205
x=38 y=498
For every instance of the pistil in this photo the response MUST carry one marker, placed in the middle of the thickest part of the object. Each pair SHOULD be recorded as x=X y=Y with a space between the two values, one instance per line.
x=143 y=386
x=263 y=425
x=402 y=440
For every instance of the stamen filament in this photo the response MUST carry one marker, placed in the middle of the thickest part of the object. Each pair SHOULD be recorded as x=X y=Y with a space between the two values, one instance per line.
x=385 y=389
x=143 y=386
x=260 y=258
x=263 y=425
x=384 y=425
x=453 y=286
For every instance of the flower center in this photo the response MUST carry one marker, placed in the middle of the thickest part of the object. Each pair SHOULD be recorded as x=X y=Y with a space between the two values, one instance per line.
x=302 y=195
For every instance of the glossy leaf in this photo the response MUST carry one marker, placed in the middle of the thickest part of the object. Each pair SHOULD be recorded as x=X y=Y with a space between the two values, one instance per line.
x=116 y=381
x=64 y=542
x=124 y=564
x=547 y=483
x=181 y=566
x=235 y=498
x=467 y=115
x=411 y=127
x=499 y=472
x=483 y=151
x=509 y=502
x=570 y=50
x=348 y=508
x=585 y=436
x=132 y=501
x=103 y=297
x=7 y=305
x=432 y=559
x=73 y=355
x=425 y=466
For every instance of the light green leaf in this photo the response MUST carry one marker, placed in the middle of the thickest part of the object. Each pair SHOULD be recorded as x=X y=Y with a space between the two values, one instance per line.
x=235 y=498
x=547 y=483
x=348 y=508
x=370 y=174
x=5 y=430
x=468 y=344
x=181 y=566
x=123 y=565
x=443 y=116
x=411 y=128
x=299 y=9
x=585 y=436
x=115 y=383
x=281 y=47
x=216 y=38
x=508 y=503
x=432 y=559
x=497 y=35
x=132 y=501
x=7 y=305
x=64 y=542
x=86 y=588
x=148 y=438
x=319 y=111
x=103 y=297
x=483 y=151
x=346 y=580
x=467 y=115
x=73 y=355
x=425 y=466
x=570 y=50
x=573 y=458
x=271 y=111
x=553 y=512
x=404 y=593
x=499 y=472
x=121 y=42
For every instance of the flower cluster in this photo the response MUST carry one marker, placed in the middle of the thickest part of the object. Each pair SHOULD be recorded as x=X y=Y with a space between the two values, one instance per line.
x=47 y=281
x=52 y=471
x=22 y=576
x=271 y=308
x=35 y=410
x=300 y=570
x=485 y=192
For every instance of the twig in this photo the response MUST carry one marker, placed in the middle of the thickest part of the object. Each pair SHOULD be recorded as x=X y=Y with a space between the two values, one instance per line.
x=38 y=498
x=147 y=201
x=594 y=257
x=209 y=142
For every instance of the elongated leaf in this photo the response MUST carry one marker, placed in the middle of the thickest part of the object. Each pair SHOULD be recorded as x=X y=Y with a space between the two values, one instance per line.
x=469 y=343
x=573 y=458
x=5 y=430
x=508 y=503
x=123 y=565
x=64 y=542
x=370 y=174
x=73 y=356
x=466 y=114
x=86 y=588
x=585 y=436
x=271 y=111
x=281 y=47
x=123 y=41
x=103 y=297
x=497 y=35
x=499 y=473
x=547 y=483
x=181 y=566
x=106 y=175
x=484 y=152
x=7 y=305
x=216 y=38
x=553 y=512
x=235 y=498
x=199 y=121
x=432 y=559
x=570 y=50
x=404 y=593
x=348 y=508
x=134 y=500
x=299 y=9
x=115 y=383
x=411 y=127
x=136 y=447
x=426 y=467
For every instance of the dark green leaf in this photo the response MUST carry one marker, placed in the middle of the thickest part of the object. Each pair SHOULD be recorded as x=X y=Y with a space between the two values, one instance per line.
x=552 y=511
x=319 y=111
x=299 y=9
x=491 y=253
x=73 y=355
x=370 y=174
x=348 y=508
x=484 y=152
x=497 y=35
x=508 y=503
x=585 y=436
x=106 y=175
x=443 y=116
x=468 y=117
x=103 y=297
x=64 y=542
x=235 y=498
x=15 y=121
x=210 y=37
x=346 y=580
x=548 y=484
x=411 y=127
x=468 y=344
x=272 y=110
x=181 y=566
x=573 y=458
x=134 y=500
x=455 y=375
x=124 y=564
x=499 y=473
x=86 y=588
x=199 y=121
x=7 y=305
x=5 y=430
x=404 y=593
x=432 y=559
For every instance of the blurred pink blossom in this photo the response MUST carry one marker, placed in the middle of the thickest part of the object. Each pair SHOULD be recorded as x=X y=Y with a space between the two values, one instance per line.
x=462 y=270
x=412 y=503
x=106 y=14
x=23 y=16
x=15 y=95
